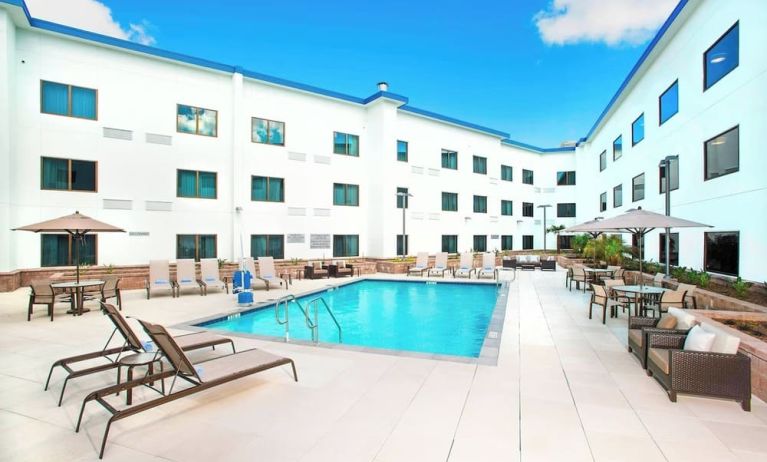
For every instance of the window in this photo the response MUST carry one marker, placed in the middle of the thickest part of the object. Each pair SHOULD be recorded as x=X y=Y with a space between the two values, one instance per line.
x=618 y=148
x=527 y=209
x=637 y=130
x=480 y=204
x=267 y=189
x=603 y=202
x=565 y=178
x=674 y=176
x=507 y=242
x=68 y=174
x=346 y=245
x=346 y=144
x=566 y=210
x=59 y=250
x=402 y=200
x=722 y=154
x=267 y=245
x=527 y=176
x=637 y=188
x=191 y=183
x=507 y=173
x=196 y=246
x=480 y=243
x=617 y=196
x=507 y=208
x=346 y=194
x=674 y=252
x=449 y=202
x=449 y=159
x=721 y=252
x=527 y=242
x=68 y=100
x=400 y=250
x=603 y=161
x=669 y=103
x=480 y=165
x=565 y=241
x=267 y=131
x=196 y=120
x=450 y=243
x=721 y=58
x=402 y=151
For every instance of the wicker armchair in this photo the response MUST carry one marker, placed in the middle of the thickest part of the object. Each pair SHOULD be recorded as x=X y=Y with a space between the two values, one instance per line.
x=549 y=264
x=639 y=327
x=316 y=271
x=338 y=270
x=701 y=373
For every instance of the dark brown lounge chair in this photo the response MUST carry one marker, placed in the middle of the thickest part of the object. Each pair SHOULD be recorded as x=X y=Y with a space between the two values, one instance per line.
x=131 y=344
x=217 y=371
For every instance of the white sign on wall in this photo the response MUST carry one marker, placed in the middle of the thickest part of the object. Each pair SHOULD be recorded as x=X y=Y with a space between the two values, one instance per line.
x=296 y=238
x=319 y=241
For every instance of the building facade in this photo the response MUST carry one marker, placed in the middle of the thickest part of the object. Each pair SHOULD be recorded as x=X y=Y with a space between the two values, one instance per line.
x=200 y=159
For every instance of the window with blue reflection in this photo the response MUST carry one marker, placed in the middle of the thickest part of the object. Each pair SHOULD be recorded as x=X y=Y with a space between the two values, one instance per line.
x=637 y=130
x=721 y=58
x=669 y=102
x=618 y=147
x=68 y=100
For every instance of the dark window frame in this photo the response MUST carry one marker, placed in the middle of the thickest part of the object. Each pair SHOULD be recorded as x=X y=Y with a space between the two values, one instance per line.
x=69 y=100
x=268 y=186
x=346 y=194
x=406 y=152
x=603 y=201
x=705 y=154
x=705 y=60
x=634 y=143
x=603 y=160
x=474 y=204
x=451 y=239
x=482 y=164
x=268 y=131
x=70 y=251
x=524 y=176
x=662 y=180
x=475 y=247
x=633 y=188
x=196 y=120
x=511 y=208
x=197 y=245
x=402 y=200
x=269 y=237
x=618 y=140
x=446 y=154
x=399 y=244
x=511 y=173
x=346 y=253
x=705 y=252
x=525 y=239
x=196 y=184
x=443 y=201
x=69 y=175
x=510 y=238
x=568 y=177
x=531 y=207
x=661 y=121
x=563 y=209
x=615 y=190
x=347 y=144
x=674 y=260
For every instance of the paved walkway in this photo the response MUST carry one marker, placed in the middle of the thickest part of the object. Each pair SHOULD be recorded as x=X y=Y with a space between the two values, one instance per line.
x=564 y=389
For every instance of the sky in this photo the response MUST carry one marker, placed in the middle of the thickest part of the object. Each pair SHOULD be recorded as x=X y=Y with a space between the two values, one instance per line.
x=540 y=70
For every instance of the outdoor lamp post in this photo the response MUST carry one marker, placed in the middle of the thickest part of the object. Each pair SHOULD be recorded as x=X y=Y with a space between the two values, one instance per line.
x=404 y=196
x=666 y=165
x=544 y=207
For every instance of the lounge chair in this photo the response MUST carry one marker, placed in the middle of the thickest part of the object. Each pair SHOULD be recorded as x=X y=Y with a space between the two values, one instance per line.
x=186 y=276
x=316 y=270
x=267 y=273
x=488 y=266
x=43 y=294
x=440 y=265
x=159 y=278
x=209 y=275
x=131 y=344
x=421 y=264
x=202 y=376
x=465 y=266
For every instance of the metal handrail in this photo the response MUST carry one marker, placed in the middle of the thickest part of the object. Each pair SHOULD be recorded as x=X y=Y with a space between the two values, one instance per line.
x=316 y=331
x=286 y=300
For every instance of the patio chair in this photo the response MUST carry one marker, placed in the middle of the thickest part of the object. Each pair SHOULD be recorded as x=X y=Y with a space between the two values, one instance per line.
x=670 y=298
x=340 y=269
x=316 y=270
x=267 y=273
x=111 y=289
x=130 y=344
x=209 y=275
x=465 y=266
x=201 y=376
x=43 y=294
x=421 y=264
x=675 y=322
x=488 y=266
x=440 y=265
x=618 y=274
x=186 y=276
x=600 y=298
x=720 y=370
x=568 y=276
x=618 y=296
x=689 y=297
x=657 y=280
x=579 y=277
x=159 y=278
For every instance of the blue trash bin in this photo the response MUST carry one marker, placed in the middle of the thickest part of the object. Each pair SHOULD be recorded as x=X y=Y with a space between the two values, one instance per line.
x=241 y=281
x=245 y=298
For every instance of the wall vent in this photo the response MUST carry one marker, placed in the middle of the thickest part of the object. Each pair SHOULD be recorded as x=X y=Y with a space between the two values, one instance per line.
x=296 y=211
x=299 y=156
x=416 y=215
x=118 y=134
x=118 y=204
x=321 y=212
x=322 y=160
x=434 y=171
x=159 y=206
x=159 y=139
x=418 y=170
x=434 y=216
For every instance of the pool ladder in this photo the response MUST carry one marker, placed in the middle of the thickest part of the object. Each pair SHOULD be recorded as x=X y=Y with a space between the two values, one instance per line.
x=312 y=322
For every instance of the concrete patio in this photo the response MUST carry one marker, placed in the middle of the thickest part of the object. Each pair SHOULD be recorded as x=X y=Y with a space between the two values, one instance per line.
x=564 y=389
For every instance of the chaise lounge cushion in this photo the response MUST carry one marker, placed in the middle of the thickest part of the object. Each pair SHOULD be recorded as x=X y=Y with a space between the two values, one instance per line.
x=660 y=357
x=699 y=340
x=635 y=336
x=667 y=322
x=723 y=342
x=684 y=320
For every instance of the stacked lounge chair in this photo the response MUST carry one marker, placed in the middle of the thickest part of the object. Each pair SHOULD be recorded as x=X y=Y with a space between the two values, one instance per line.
x=466 y=266
x=440 y=265
x=186 y=276
x=488 y=266
x=159 y=278
x=210 y=277
x=421 y=264
x=267 y=273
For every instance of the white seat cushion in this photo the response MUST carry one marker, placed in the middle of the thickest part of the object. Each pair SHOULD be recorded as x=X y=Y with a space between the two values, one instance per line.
x=684 y=320
x=535 y=259
x=699 y=340
x=723 y=342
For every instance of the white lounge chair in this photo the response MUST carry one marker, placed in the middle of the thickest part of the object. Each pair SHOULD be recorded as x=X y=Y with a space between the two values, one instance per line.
x=440 y=265
x=186 y=276
x=421 y=264
x=267 y=273
x=488 y=266
x=210 y=275
x=159 y=278
x=466 y=266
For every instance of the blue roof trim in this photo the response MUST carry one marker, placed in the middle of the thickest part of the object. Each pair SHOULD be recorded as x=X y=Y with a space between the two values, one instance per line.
x=21 y=4
x=450 y=120
x=387 y=95
x=530 y=147
x=301 y=86
x=662 y=31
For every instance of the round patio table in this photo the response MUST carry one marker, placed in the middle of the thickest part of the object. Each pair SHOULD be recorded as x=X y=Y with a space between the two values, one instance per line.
x=640 y=293
x=77 y=290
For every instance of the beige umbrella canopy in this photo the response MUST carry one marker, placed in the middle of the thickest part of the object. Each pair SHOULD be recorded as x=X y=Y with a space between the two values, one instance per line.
x=77 y=225
x=590 y=227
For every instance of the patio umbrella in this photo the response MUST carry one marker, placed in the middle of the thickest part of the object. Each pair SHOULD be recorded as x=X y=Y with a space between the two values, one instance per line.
x=588 y=227
x=77 y=225
x=639 y=222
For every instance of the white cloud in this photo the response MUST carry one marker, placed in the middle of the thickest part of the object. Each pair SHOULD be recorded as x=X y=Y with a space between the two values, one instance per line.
x=613 y=22
x=90 y=15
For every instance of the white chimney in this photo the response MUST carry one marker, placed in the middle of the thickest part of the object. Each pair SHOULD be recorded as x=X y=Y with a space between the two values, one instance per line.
x=383 y=86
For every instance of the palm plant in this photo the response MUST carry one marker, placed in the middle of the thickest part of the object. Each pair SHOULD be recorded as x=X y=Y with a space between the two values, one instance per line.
x=556 y=229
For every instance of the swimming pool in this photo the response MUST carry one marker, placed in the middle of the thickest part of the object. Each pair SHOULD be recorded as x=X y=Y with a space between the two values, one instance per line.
x=427 y=317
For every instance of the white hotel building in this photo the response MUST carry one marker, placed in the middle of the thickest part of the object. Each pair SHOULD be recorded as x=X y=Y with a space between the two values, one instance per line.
x=198 y=158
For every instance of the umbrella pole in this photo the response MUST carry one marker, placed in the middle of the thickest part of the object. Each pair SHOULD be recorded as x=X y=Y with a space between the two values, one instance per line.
x=641 y=273
x=77 y=256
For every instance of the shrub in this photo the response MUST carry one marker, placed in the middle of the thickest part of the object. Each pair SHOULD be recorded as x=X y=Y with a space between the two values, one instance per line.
x=740 y=287
x=704 y=279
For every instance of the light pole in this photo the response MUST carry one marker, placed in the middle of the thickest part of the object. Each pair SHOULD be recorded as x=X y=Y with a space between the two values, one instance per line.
x=666 y=165
x=544 y=207
x=404 y=197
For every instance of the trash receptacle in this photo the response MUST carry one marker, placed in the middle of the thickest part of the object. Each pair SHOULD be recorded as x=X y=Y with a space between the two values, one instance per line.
x=241 y=281
x=245 y=298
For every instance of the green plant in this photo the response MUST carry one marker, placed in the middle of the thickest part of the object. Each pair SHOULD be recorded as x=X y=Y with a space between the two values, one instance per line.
x=741 y=287
x=221 y=262
x=704 y=279
x=110 y=268
x=579 y=242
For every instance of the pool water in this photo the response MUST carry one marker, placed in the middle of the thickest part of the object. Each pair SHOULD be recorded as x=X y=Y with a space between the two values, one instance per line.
x=427 y=317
